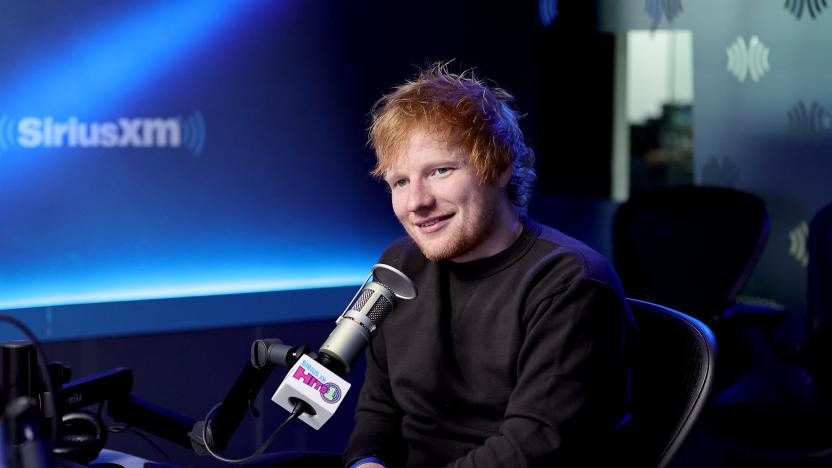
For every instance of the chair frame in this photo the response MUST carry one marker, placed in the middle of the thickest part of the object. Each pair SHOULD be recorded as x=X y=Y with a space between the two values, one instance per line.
x=692 y=199
x=706 y=344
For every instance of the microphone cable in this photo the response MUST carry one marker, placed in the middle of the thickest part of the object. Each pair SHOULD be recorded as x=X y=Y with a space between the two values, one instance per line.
x=121 y=428
x=299 y=408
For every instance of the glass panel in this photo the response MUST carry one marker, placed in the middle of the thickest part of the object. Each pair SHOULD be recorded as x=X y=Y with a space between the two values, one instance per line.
x=658 y=110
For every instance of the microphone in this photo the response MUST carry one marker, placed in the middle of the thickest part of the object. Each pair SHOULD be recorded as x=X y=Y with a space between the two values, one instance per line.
x=319 y=382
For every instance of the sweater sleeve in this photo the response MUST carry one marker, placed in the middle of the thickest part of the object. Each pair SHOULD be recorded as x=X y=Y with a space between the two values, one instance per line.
x=572 y=383
x=377 y=431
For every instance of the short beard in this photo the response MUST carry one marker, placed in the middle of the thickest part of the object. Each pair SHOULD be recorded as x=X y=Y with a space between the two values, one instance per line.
x=462 y=244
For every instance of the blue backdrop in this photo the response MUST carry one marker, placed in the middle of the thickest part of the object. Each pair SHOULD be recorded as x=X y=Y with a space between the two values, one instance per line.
x=161 y=149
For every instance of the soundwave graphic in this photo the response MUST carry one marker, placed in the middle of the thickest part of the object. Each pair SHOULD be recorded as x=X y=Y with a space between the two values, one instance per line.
x=653 y=8
x=722 y=173
x=810 y=122
x=656 y=9
x=798 y=238
x=747 y=59
x=672 y=8
x=796 y=7
x=7 y=138
x=548 y=10
x=193 y=132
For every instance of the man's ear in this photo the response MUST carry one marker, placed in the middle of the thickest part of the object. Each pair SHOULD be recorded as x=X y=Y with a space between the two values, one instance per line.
x=505 y=177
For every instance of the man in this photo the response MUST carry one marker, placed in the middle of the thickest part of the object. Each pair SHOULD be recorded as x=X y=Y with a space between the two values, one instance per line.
x=513 y=354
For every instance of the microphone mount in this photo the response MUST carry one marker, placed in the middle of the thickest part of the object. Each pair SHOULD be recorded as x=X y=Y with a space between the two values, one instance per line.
x=115 y=386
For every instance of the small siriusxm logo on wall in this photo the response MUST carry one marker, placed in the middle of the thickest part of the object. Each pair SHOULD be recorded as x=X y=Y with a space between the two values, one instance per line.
x=656 y=9
x=747 y=59
x=32 y=132
x=722 y=172
x=797 y=7
x=798 y=238
x=811 y=121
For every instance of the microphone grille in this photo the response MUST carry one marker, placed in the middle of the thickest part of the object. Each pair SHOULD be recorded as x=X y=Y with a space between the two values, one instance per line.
x=362 y=299
x=379 y=310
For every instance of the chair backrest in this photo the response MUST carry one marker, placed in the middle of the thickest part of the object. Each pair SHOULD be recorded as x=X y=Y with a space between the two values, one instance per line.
x=671 y=377
x=689 y=248
x=820 y=271
x=818 y=347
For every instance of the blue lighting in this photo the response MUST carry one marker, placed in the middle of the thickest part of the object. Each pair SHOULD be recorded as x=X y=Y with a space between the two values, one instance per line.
x=253 y=200
x=181 y=275
x=185 y=289
x=110 y=61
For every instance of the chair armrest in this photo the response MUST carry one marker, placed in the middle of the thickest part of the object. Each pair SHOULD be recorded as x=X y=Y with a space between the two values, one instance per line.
x=765 y=317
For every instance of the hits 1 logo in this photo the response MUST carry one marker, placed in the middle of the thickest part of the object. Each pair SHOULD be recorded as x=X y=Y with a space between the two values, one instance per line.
x=330 y=392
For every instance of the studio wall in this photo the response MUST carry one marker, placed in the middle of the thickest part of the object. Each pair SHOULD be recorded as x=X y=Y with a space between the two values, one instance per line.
x=762 y=120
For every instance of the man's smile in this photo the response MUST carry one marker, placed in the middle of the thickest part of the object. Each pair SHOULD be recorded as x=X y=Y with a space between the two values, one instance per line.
x=433 y=224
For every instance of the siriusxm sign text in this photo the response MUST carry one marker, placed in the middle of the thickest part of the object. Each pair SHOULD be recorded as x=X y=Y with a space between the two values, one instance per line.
x=35 y=132
x=123 y=132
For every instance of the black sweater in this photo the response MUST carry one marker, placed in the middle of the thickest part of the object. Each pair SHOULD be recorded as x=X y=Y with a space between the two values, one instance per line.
x=512 y=360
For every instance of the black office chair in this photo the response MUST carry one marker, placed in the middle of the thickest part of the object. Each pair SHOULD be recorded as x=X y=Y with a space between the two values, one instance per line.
x=818 y=349
x=690 y=248
x=671 y=377
x=693 y=249
x=789 y=423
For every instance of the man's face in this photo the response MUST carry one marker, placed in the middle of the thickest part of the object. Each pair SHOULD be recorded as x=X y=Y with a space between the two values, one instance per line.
x=441 y=202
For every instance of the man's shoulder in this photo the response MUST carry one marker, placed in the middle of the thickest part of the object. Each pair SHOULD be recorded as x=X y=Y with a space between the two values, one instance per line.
x=572 y=259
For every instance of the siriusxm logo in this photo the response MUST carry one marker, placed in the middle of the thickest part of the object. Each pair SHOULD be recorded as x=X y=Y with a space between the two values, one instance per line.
x=750 y=58
x=48 y=132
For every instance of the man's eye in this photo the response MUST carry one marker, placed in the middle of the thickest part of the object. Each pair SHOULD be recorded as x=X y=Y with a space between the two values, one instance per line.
x=442 y=170
x=400 y=183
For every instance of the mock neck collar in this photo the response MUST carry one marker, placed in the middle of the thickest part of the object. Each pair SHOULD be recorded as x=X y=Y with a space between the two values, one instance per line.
x=488 y=266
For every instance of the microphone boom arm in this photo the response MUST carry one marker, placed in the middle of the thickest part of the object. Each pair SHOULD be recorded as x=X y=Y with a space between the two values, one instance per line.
x=186 y=432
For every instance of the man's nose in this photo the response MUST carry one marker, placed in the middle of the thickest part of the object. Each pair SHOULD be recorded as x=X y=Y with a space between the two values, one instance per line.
x=420 y=197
